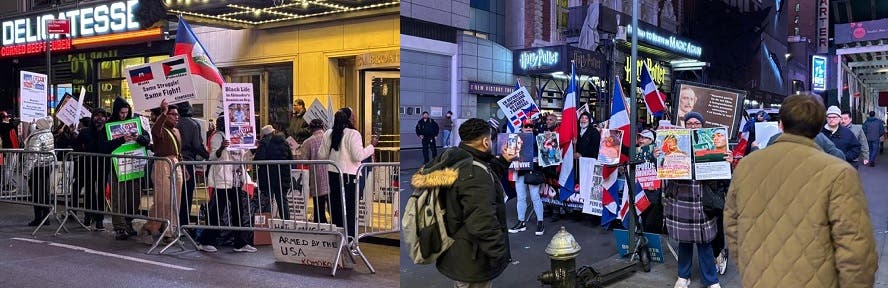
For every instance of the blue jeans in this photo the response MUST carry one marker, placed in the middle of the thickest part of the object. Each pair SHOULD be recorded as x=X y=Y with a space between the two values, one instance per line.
x=706 y=261
x=447 y=138
x=521 y=190
x=873 y=149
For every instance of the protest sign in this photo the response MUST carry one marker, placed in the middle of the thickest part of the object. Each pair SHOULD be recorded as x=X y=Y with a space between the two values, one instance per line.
x=674 y=161
x=517 y=107
x=590 y=185
x=32 y=105
x=720 y=107
x=764 y=131
x=646 y=175
x=710 y=149
x=296 y=196
x=168 y=79
x=68 y=110
x=146 y=125
x=127 y=168
x=240 y=122
x=308 y=249
x=549 y=153
x=521 y=142
x=609 y=150
x=317 y=111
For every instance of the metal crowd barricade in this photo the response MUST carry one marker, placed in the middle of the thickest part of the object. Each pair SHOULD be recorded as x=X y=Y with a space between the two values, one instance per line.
x=379 y=207
x=21 y=172
x=120 y=186
x=253 y=191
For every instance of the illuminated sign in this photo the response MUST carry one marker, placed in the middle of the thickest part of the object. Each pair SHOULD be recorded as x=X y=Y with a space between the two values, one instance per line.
x=818 y=73
x=658 y=72
x=35 y=48
x=538 y=58
x=667 y=42
x=85 y=21
x=490 y=89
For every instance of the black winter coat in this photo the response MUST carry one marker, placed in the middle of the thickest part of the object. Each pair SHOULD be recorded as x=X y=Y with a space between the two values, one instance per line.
x=427 y=129
x=588 y=144
x=845 y=141
x=273 y=147
x=475 y=213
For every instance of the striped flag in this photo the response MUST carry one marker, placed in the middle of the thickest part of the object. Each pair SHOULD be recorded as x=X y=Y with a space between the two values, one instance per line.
x=641 y=202
x=619 y=119
x=653 y=98
x=567 y=132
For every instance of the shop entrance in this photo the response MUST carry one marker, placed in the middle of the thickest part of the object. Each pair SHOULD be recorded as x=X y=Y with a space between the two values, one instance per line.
x=381 y=93
x=272 y=92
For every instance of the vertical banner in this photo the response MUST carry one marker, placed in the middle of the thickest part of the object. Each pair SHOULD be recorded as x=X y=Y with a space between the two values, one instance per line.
x=32 y=105
x=296 y=197
x=822 y=26
x=240 y=123
x=609 y=148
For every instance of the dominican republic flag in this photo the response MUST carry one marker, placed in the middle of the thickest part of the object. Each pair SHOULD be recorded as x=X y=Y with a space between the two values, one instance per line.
x=141 y=75
x=641 y=202
x=653 y=98
x=619 y=119
x=567 y=132
x=609 y=202
x=740 y=150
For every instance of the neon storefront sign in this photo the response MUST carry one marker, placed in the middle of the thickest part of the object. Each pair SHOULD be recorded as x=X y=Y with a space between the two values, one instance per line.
x=85 y=21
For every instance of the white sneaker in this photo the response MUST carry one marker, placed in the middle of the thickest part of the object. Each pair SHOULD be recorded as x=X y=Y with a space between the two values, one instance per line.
x=683 y=283
x=246 y=248
x=721 y=263
x=207 y=248
x=715 y=286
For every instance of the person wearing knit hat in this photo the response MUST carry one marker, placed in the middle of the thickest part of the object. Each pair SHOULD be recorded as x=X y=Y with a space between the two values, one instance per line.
x=267 y=129
x=841 y=136
x=694 y=115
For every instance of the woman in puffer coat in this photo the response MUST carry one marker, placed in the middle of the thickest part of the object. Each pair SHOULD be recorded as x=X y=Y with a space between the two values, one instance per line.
x=38 y=167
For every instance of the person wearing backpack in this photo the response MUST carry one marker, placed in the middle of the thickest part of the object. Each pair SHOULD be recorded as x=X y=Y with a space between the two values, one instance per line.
x=475 y=249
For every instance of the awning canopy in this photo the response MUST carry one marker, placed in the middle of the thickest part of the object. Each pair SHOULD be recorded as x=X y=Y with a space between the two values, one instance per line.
x=276 y=13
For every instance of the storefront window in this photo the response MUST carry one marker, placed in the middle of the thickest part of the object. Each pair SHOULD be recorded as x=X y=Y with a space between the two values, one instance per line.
x=280 y=95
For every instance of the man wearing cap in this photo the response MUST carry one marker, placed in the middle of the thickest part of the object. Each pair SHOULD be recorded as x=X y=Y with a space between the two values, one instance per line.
x=841 y=136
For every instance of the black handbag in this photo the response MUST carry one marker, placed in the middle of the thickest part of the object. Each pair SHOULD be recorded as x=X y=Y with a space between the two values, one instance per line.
x=713 y=197
x=534 y=178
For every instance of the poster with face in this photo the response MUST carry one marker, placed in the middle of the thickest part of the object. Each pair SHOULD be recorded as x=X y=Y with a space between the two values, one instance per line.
x=710 y=149
x=549 y=149
x=523 y=143
x=674 y=161
x=720 y=107
x=609 y=150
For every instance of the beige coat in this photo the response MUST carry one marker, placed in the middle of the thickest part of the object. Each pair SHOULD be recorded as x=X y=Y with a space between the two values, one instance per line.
x=797 y=217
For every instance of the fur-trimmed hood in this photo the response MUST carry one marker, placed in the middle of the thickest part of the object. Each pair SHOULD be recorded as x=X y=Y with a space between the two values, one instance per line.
x=442 y=171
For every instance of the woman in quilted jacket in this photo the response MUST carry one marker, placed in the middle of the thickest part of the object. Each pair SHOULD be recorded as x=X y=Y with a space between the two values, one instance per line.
x=39 y=166
x=688 y=222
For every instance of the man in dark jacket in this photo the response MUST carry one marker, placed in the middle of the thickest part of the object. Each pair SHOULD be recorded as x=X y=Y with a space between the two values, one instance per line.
x=125 y=195
x=480 y=252
x=874 y=130
x=90 y=173
x=427 y=130
x=193 y=149
x=298 y=128
x=841 y=136
x=274 y=178
x=590 y=139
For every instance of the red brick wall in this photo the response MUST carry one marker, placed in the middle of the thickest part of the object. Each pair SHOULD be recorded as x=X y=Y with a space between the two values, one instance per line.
x=528 y=22
x=547 y=19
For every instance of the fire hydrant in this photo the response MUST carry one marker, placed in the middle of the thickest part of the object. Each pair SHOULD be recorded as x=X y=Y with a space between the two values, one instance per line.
x=562 y=251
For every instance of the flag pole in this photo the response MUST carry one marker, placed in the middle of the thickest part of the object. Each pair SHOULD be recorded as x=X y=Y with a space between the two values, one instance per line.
x=633 y=119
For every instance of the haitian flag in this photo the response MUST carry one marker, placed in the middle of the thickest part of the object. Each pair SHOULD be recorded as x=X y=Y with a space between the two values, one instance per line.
x=141 y=75
x=567 y=132
x=653 y=98
x=208 y=84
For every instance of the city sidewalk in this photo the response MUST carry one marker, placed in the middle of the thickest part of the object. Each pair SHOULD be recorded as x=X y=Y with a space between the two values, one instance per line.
x=598 y=244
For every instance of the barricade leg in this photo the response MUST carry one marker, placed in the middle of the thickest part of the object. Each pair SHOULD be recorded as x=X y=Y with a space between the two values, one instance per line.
x=39 y=186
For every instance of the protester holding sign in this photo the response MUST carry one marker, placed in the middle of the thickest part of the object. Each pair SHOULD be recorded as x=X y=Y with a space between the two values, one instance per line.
x=166 y=145
x=528 y=181
x=646 y=174
x=125 y=193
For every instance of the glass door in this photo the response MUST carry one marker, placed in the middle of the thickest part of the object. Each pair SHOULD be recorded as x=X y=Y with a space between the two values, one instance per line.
x=381 y=100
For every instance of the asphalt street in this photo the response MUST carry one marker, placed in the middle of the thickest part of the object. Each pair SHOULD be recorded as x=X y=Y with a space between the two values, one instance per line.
x=94 y=259
x=599 y=244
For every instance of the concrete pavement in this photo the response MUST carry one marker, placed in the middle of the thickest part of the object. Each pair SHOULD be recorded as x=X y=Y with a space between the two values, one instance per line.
x=598 y=244
x=95 y=259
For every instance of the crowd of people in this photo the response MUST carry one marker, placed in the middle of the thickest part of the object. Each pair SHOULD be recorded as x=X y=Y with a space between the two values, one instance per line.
x=175 y=135
x=793 y=213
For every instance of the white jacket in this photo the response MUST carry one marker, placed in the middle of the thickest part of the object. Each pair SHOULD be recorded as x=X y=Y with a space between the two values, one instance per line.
x=350 y=154
x=226 y=176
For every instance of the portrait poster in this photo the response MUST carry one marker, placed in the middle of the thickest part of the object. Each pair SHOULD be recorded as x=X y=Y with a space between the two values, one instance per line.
x=549 y=150
x=720 y=107
x=710 y=149
x=590 y=185
x=240 y=120
x=611 y=143
x=674 y=161
x=523 y=143
x=764 y=131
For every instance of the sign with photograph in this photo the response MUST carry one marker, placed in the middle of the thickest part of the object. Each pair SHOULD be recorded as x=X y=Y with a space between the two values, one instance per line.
x=240 y=120
x=710 y=149
x=519 y=106
x=646 y=173
x=33 y=96
x=674 y=161
x=521 y=142
x=720 y=107
x=590 y=185
x=168 y=79
x=611 y=143
x=549 y=153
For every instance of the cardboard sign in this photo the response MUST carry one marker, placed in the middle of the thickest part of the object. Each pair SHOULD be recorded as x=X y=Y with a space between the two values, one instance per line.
x=590 y=185
x=69 y=109
x=239 y=112
x=517 y=107
x=296 y=197
x=307 y=249
x=33 y=96
x=168 y=79
x=317 y=111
